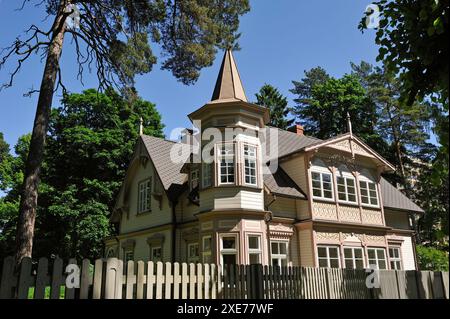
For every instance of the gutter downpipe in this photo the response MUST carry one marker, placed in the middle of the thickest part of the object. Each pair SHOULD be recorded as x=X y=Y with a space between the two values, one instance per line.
x=268 y=220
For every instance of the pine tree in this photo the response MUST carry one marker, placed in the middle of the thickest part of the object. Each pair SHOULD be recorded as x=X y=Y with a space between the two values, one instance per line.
x=271 y=98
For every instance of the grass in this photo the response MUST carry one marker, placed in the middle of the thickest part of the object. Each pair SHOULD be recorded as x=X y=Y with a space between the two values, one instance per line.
x=47 y=292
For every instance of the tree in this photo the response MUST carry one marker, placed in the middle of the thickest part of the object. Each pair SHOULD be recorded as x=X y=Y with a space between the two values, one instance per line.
x=430 y=258
x=114 y=37
x=91 y=139
x=413 y=40
x=405 y=128
x=303 y=88
x=325 y=105
x=271 y=98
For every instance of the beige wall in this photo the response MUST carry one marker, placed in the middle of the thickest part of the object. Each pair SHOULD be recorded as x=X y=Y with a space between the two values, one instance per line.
x=306 y=247
x=158 y=215
x=142 y=248
x=397 y=219
x=231 y=197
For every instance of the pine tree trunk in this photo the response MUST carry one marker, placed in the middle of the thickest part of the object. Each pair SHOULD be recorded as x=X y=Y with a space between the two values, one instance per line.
x=28 y=202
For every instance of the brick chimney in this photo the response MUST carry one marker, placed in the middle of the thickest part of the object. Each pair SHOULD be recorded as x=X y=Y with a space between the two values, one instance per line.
x=297 y=129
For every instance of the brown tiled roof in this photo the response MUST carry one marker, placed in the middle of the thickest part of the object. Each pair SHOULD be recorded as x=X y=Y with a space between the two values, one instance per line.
x=159 y=151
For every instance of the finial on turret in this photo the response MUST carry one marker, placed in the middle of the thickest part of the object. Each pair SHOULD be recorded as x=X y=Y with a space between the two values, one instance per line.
x=141 y=126
x=349 y=124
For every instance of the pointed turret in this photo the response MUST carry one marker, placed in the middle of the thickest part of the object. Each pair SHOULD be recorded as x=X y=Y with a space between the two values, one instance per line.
x=228 y=84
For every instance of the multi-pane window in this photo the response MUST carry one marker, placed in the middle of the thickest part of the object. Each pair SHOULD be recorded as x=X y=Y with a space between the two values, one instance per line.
x=194 y=179
x=322 y=185
x=368 y=193
x=254 y=249
x=206 y=251
x=144 y=200
x=328 y=256
x=129 y=255
x=250 y=164
x=395 y=258
x=346 y=189
x=354 y=258
x=278 y=253
x=229 y=250
x=206 y=175
x=156 y=253
x=377 y=257
x=193 y=253
x=226 y=162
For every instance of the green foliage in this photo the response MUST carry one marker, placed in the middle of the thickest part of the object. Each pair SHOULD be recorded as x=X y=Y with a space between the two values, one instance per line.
x=271 y=98
x=323 y=105
x=91 y=139
x=430 y=258
x=413 y=39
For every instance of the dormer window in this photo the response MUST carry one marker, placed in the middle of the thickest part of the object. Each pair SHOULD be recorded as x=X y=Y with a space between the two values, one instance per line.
x=206 y=175
x=250 y=164
x=194 y=179
x=226 y=159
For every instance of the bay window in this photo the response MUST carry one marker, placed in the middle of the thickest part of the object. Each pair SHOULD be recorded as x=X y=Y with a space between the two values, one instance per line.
x=377 y=257
x=226 y=159
x=278 y=253
x=206 y=249
x=322 y=185
x=194 y=179
x=395 y=258
x=328 y=256
x=254 y=249
x=206 y=175
x=353 y=257
x=249 y=164
x=229 y=249
x=368 y=193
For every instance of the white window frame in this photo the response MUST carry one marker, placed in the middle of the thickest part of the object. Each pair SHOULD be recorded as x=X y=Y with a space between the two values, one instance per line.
x=279 y=256
x=367 y=182
x=328 y=258
x=194 y=179
x=229 y=251
x=353 y=257
x=346 y=177
x=221 y=156
x=152 y=250
x=321 y=173
x=196 y=258
x=248 y=157
x=254 y=251
x=395 y=260
x=144 y=203
x=206 y=175
x=206 y=253
x=377 y=260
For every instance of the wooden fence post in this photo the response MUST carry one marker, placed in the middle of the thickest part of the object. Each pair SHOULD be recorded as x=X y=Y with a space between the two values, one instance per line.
x=25 y=278
x=8 y=280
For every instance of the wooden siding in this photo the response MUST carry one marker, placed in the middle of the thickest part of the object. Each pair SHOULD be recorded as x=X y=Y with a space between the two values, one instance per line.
x=159 y=214
x=306 y=248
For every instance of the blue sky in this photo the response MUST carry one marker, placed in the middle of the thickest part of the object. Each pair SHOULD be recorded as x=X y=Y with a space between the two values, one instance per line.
x=280 y=39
